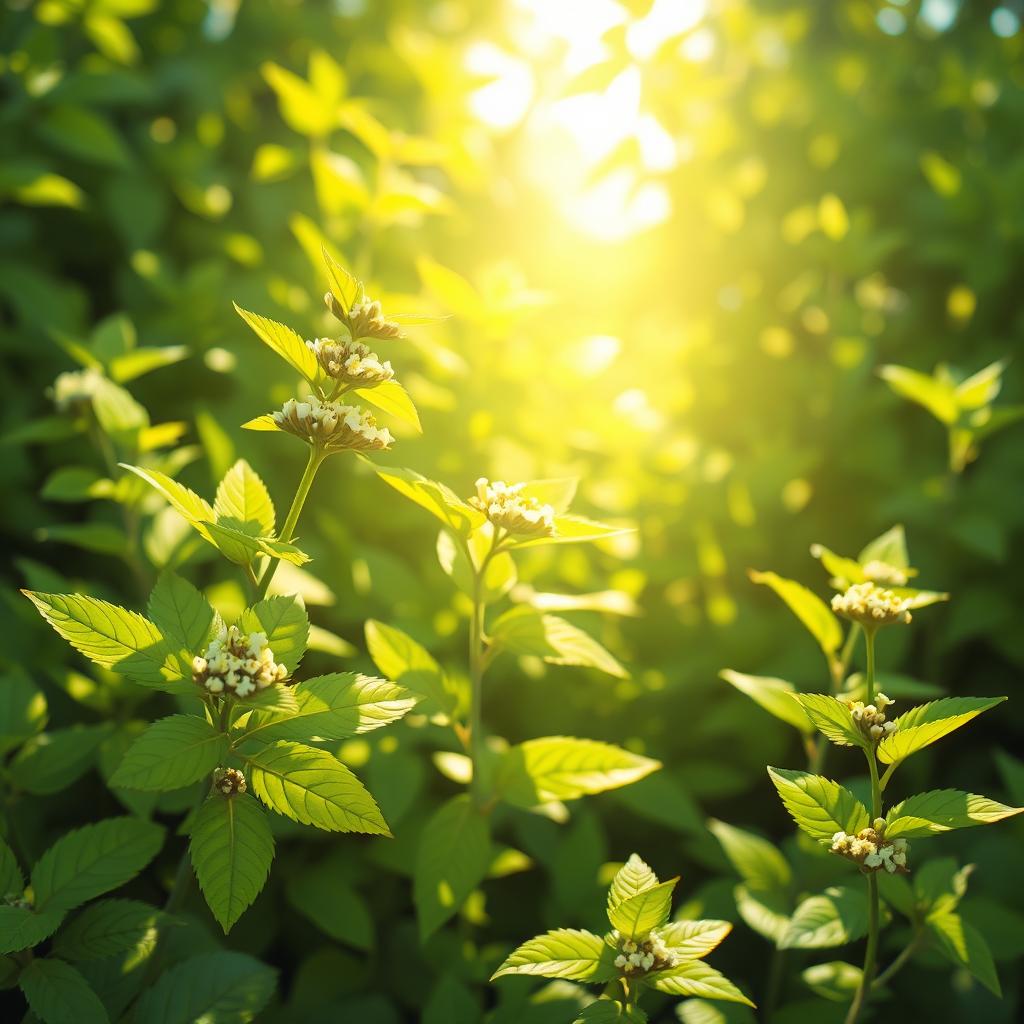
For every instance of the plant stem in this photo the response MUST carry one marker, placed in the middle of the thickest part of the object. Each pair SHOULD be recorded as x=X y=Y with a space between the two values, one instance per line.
x=774 y=986
x=908 y=951
x=871 y=952
x=476 y=676
x=316 y=457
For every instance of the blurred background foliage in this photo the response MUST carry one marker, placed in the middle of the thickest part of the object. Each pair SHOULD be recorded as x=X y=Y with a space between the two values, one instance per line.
x=676 y=240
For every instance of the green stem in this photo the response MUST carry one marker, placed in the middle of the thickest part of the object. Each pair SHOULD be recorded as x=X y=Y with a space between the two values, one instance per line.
x=316 y=457
x=476 y=676
x=900 y=962
x=869 y=644
x=774 y=986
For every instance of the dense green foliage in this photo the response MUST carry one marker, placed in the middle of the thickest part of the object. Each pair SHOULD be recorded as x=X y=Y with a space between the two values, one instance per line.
x=750 y=276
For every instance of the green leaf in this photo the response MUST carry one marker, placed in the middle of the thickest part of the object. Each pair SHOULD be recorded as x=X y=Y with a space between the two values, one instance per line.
x=936 y=395
x=696 y=978
x=633 y=878
x=286 y=625
x=923 y=725
x=608 y=1011
x=556 y=492
x=774 y=695
x=12 y=883
x=890 y=548
x=189 y=505
x=691 y=940
x=93 y=860
x=842 y=569
x=565 y=768
x=564 y=953
x=452 y=859
x=23 y=710
x=84 y=134
x=285 y=342
x=140 y=361
x=51 y=761
x=436 y=498
x=818 y=805
x=242 y=498
x=964 y=945
x=402 y=659
x=58 y=994
x=832 y=918
x=172 y=753
x=636 y=916
x=498 y=578
x=942 y=810
x=231 y=849
x=390 y=397
x=108 y=928
x=767 y=912
x=759 y=862
x=524 y=631
x=335 y=707
x=939 y=884
x=215 y=986
x=114 y=638
x=835 y=980
x=324 y=894
x=181 y=612
x=571 y=529
x=25 y=927
x=313 y=787
x=816 y=616
x=832 y=718
x=981 y=388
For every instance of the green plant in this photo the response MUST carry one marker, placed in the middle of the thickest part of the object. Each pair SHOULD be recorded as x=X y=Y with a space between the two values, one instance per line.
x=644 y=951
x=854 y=824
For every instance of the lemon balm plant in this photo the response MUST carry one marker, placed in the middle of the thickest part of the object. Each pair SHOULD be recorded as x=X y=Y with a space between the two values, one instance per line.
x=644 y=951
x=245 y=731
x=476 y=547
x=858 y=824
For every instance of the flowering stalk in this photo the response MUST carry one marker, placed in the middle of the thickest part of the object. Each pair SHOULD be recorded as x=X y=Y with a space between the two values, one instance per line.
x=871 y=951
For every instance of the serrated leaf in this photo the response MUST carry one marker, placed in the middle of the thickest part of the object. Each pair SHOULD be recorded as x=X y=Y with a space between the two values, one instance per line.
x=114 y=638
x=242 y=499
x=25 y=927
x=231 y=848
x=439 y=500
x=774 y=695
x=759 y=862
x=313 y=787
x=286 y=625
x=452 y=859
x=832 y=918
x=524 y=631
x=399 y=657
x=284 y=341
x=172 y=753
x=832 y=718
x=335 y=707
x=964 y=946
x=923 y=725
x=390 y=397
x=609 y=1011
x=696 y=978
x=12 y=882
x=58 y=994
x=816 y=616
x=650 y=908
x=818 y=805
x=108 y=928
x=216 y=986
x=325 y=895
x=692 y=940
x=942 y=810
x=564 y=953
x=634 y=877
x=93 y=860
x=181 y=612
x=565 y=768
x=189 y=505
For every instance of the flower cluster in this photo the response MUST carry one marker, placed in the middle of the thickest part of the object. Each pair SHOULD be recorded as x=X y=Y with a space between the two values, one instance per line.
x=649 y=955
x=364 y=319
x=228 y=781
x=332 y=426
x=75 y=388
x=870 y=718
x=350 y=362
x=871 y=605
x=506 y=507
x=884 y=574
x=871 y=850
x=238 y=663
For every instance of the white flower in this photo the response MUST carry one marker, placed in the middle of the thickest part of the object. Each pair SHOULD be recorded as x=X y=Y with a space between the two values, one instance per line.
x=871 y=605
x=351 y=362
x=237 y=662
x=507 y=508
x=332 y=426
x=881 y=572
